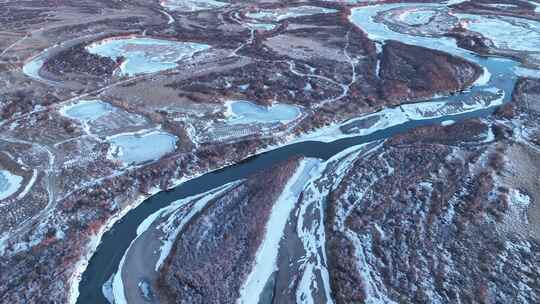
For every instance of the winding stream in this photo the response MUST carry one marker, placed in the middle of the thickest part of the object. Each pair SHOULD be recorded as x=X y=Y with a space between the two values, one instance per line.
x=104 y=263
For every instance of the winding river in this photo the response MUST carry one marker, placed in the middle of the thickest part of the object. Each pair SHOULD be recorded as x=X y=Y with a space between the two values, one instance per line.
x=104 y=263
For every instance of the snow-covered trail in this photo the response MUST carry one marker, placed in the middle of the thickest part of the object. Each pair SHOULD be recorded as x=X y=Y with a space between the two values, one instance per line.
x=7 y=49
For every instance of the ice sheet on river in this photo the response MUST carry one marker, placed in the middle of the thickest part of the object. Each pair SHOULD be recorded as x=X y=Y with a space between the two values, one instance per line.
x=506 y=32
x=364 y=18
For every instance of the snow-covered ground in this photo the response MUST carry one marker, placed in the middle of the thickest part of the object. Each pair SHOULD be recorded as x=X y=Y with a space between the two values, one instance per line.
x=177 y=217
x=145 y=55
x=392 y=117
x=267 y=254
x=107 y=290
x=80 y=266
x=29 y=185
x=453 y=2
x=438 y=109
x=9 y=184
x=170 y=221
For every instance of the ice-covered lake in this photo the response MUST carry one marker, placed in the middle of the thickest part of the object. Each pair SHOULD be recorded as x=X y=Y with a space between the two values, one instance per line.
x=245 y=112
x=137 y=148
x=291 y=12
x=191 y=5
x=9 y=183
x=33 y=66
x=145 y=55
x=86 y=110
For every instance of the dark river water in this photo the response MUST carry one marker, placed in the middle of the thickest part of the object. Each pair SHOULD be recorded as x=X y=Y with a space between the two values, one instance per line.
x=116 y=241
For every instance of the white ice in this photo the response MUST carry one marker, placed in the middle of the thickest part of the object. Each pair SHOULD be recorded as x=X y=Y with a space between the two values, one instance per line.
x=107 y=290
x=290 y=12
x=363 y=17
x=145 y=55
x=9 y=184
x=505 y=32
x=245 y=112
x=191 y=5
x=178 y=217
x=267 y=254
x=86 y=110
x=520 y=198
x=141 y=147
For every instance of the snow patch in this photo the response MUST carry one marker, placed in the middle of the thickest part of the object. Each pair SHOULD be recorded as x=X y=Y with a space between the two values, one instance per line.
x=520 y=198
x=266 y=258
x=172 y=226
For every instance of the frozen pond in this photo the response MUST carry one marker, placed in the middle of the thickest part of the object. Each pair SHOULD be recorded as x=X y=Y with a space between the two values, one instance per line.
x=137 y=148
x=191 y=5
x=245 y=112
x=9 y=184
x=32 y=67
x=291 y=12
x=87 y=110
x=145 y=55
